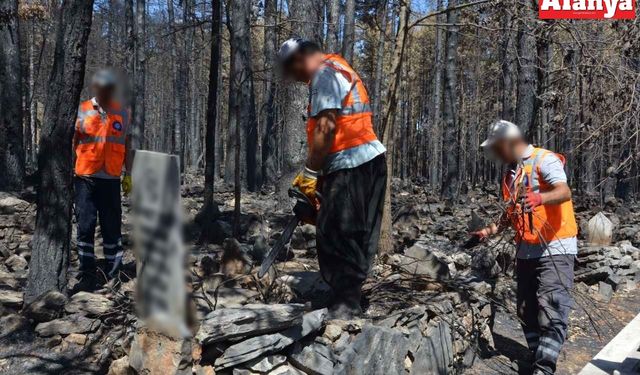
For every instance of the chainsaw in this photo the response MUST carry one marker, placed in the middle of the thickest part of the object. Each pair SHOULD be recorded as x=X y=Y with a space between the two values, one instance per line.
x=305 y=211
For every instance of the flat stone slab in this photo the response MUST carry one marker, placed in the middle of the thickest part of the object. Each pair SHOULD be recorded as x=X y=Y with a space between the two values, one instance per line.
x=256 y=347
x=377 y=350
x=248 y=320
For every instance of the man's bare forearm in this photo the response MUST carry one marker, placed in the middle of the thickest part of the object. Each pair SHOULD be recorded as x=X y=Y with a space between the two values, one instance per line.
x=322 y=139
x=560 y=193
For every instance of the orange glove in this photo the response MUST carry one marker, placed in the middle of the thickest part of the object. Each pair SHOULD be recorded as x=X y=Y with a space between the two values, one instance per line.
x=307 y=182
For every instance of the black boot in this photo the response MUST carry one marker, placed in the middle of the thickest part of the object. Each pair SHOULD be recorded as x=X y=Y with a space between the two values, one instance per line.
x=346 y=305
x=87 y=282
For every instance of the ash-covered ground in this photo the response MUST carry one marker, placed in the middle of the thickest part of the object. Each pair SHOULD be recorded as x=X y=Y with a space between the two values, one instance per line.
x=432 y=306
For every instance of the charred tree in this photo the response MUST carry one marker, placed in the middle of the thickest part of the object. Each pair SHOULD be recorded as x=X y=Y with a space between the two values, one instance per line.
x=333 y=26
x=138 y=126
x=50 y=249
x=388 y=122
x=11 y=135
x=269 y=140
x=210 y=208
x=450 y=154
x=527 y=68
x=242 y=84
x=349 y=30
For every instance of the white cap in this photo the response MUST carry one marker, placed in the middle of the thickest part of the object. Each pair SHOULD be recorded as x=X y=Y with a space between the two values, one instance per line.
x=103 y=78
x=500 y=130
x=288 y=48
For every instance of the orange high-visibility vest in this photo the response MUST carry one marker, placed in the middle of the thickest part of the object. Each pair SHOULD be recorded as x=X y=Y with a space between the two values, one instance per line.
x=354 y=124
x=550 y=221
x=100 y=139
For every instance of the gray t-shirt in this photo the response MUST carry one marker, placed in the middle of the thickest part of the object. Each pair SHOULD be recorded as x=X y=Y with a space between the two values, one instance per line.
x=552 y=172
x=328 y=90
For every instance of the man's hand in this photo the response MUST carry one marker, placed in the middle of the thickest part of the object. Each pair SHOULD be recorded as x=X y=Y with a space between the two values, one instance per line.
x=532 y=200
x=126 y=185
x=307 y=181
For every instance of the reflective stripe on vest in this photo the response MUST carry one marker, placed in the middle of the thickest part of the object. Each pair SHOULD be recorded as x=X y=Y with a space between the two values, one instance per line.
x=354 y=123
x=550 y=222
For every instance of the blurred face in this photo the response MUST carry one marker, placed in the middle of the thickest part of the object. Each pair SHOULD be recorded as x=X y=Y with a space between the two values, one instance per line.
x=302 y=67
x=504 y=150
x=104 y=94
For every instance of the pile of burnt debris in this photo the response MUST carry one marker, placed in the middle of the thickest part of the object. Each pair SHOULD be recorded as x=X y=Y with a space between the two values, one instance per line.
x=429 y=305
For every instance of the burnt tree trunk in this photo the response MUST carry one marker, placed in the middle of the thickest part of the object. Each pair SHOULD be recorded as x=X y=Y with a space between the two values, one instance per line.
x=137 y=131
x=210 y=208
x=388 y=128
x=50 y=250
x=450 y=154
x=349 y=30
x=527 y=68
x=436 y=102
x=333 y=26
x=242 y=78
x=269 y=140
x=11 y=135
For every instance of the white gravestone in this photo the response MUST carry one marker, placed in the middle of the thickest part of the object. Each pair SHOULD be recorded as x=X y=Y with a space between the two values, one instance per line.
x=157 y=235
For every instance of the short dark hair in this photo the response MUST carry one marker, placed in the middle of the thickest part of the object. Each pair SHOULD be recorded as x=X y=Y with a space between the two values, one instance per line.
x=305 y=48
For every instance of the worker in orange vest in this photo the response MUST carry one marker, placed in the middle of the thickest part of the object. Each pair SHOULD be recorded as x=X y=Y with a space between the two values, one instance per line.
x=101 y=145
x=345 y=163
x=538 y=207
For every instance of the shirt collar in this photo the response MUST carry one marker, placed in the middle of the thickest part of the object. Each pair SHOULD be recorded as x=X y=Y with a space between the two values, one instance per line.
x=528 y=152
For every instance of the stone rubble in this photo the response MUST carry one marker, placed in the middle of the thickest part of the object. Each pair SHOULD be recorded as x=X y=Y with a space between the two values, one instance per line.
x=428 y=304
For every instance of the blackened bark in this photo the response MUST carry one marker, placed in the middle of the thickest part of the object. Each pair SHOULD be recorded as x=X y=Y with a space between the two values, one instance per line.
x=349 y=30
x=269 y=140
x=507 y=67
x=388 y=128
x=11 y=136
x=50 y=252
x=436 y=102
x=242 y=77
x=450 y=154
x=383 y=12
x=210 y=208
x=137 y=130
x=333 y=26
x=527 y=68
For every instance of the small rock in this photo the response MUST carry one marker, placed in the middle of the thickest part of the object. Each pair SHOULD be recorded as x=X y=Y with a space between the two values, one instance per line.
x=9 y=324
x=10 y=204
x=69 y=324
x=120 y=367
x=202 y=370
x=76 y=338
x=315 y=359
x=155 y=353
x=266 y=364
x=16 y=263
x=53 y=341
x=11 y=298
x=90 y=304
x=234 y=261
x=332 y=332
x=605 y=291
x=46 y=307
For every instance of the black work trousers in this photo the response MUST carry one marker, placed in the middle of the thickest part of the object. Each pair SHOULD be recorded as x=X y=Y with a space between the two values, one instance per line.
x=544 y=303
x=98 y=198
x=348 y=223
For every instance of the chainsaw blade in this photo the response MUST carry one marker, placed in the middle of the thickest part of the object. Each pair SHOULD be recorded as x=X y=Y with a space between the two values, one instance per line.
x=278 y=246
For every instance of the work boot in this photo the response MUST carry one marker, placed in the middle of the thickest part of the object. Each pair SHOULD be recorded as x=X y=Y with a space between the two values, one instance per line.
x=87 y=282
x=346 y=305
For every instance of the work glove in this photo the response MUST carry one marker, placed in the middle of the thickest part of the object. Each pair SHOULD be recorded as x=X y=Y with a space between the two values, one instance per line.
x=126 y=185
x=481 y=234
x=532 y=200
x=307 y=182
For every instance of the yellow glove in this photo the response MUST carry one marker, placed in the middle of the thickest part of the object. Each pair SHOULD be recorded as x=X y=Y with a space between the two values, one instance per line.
x=307 y=181
x=126 y=184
